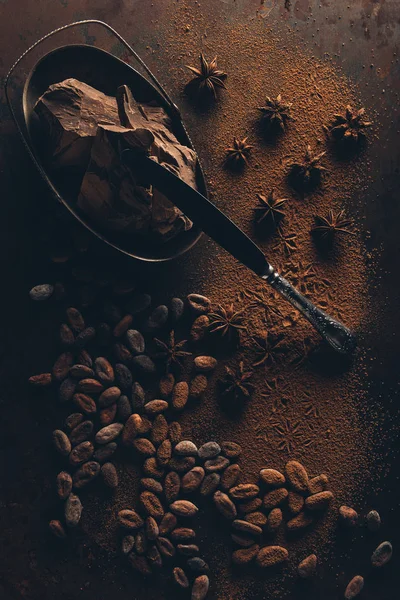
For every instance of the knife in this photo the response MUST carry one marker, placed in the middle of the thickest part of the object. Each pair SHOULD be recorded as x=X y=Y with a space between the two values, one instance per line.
x=228 y=235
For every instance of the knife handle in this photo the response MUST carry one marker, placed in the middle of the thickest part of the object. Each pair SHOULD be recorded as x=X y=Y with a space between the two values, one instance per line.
x=335 y=333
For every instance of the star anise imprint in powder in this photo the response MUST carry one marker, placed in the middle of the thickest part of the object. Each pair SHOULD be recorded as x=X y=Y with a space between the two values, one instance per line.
x=208 y=78
x=238 y=154
x=350 y=127
x=270 y=209
x=326 y=227
x=275 y=113
x=266 y=346
x=171 y=352
x=228 y=322
x=236 y=382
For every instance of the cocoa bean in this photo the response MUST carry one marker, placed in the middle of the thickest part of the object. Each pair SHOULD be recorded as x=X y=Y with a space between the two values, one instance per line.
x=186 y=448
x=84 y=358
x=197 y=565
x=128 y=543
x=302 y=521
x=75 y=320
x=67 y=337
x=257 y=518
x=200 y=587
x=348 y=516
x=152 y=469
x=122 y=326
x=199 y=328
x=382 y=554
x=110 y=475
x=198 y=386
x=107 y=415
x=296 y=476
x=138 y=303
x=130 y=519
x=62 y=366
x=180 y=395
x=354 y=587
x=73 y=510
x=159 y=430
x=41 y=292
x=214 y=465
x=275 y=498
x=318 y=501
x=73 y=421
x=109 y=396
x=42 y=380
x=182 y=464
x=275 y=519
x=231 y=449
x=151 y=528
x=165 y=546
x=123 y=377
x=164 y=452
x=90 y=386
x=373 y=521
x=57 y=529
x=104 y=453
x=183 y=534
x=210 y=484
x=177 y=308
x=204 y=364
x=166 y=385
x=250 y=505
x=244 y=556
x=85 y=337
x=81 y=372
x=109 y=433
x=85 y=403
x=144 y=447
x=183 y=508
x=188 y=549
x=230 y=476
x=81 y=453
x=85 y=474
x=81 y=432
x=180 y=578
x=272 y=478
x=174 y=432
x=157 y=319
x=154 y=557
x=141 y=543
x=307 y=567
x=246 y=527
x=66 y=389
x=209 y=450
x=138 y=396
x=122 y=353
x=131 y=429
x=140 y=564
x=104 y=370
x=224 y=505
x=295 y=502
x=244 y=491
x=155 y=407
x=168 y=523
x=241 y=539
x=192 y=480
x=152 y=485
x=61 y=442
x=135 y=341
x=270 y=556
x=172 y=486
x=64 y=485
x=198 y=304
x=124 y=409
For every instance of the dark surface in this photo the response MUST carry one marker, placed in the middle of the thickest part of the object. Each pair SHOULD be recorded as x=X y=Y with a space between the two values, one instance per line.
x=363 y=37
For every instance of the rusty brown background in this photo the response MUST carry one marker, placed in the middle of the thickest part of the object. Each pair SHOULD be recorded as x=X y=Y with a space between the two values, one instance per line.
x=362 y=36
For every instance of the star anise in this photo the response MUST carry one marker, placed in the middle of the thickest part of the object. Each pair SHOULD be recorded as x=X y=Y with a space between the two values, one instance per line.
x=236 y=382
x=327 y=227
x=308 y=173
x=350 y=127
x=228 y=322
x=266 y=346
x=171 y=352
x=238 y=154
x=270 y=209
x=208 y=78
x=275 y=113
